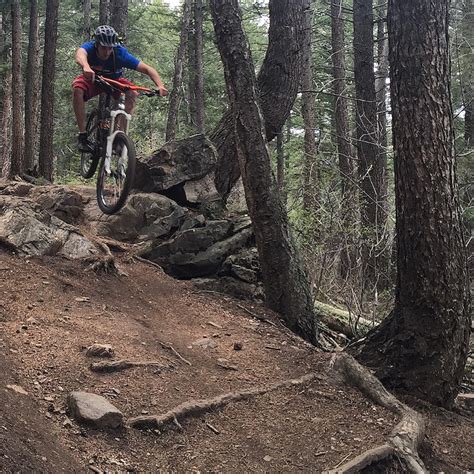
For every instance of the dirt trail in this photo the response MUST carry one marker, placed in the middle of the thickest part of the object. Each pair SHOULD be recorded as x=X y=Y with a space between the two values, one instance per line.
x=52 y=309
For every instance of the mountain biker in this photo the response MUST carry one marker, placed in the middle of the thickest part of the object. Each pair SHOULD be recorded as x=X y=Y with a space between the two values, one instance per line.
x=105 y=56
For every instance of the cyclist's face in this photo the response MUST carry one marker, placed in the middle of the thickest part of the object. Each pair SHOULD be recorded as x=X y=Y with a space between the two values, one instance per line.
x=103 y=51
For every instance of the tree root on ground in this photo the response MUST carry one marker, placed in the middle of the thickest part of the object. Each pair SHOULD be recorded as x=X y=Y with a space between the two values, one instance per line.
x=118 y=365
x=104 y=263
x=195 y=408
x=404 y=439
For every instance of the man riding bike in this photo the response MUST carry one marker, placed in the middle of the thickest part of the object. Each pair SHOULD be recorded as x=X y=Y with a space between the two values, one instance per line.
x=105 y=56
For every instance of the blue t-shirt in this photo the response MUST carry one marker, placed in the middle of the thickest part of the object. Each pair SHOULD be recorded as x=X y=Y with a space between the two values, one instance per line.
x=113 y=66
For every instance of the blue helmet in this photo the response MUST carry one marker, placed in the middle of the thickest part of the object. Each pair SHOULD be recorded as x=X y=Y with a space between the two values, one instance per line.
x=105 y=35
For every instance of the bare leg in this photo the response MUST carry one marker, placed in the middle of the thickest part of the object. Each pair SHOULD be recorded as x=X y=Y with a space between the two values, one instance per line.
x=79 y=106
x=130 y=102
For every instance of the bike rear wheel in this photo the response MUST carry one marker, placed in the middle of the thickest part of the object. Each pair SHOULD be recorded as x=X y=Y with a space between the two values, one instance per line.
x=89 y=161
x=116 y=176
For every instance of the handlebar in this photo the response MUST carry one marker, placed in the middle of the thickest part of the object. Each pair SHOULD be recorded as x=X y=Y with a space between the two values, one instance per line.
x=116 y=86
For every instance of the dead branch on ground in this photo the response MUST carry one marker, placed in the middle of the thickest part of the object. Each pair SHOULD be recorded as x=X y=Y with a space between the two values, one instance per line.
x=118 y=365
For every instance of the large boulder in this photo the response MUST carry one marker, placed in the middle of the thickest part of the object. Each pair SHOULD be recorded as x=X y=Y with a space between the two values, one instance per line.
x=144 y=217
x=201 y=251
x=182 y=170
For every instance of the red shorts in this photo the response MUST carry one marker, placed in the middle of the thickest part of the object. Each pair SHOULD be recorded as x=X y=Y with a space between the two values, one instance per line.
x=91 y=89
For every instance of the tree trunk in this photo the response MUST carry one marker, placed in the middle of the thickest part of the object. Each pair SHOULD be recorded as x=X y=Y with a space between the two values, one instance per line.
x=277 y=86
x=32 y=89
x=367 y=148
x=344 y=147
x=87 y=19
x=286 y=285
x=46 y=157
x=104 y=12
x=16 y=167
x=192 y=71
x=421 y=348
x=119 y=17
x=173 y=109
x=199 y=73
x=6 y=124
x=467 y=73
x=310 y=166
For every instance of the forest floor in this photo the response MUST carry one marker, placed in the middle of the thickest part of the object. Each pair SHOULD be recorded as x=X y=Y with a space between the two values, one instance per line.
x=51 y=309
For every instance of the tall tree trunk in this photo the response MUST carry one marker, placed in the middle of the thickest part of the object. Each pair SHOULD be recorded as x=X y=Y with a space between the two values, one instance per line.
x=286 y=285
x=310 y=166
x=6 y=124
x=383 y=251
x=86 y=6
x=16 y=167
x=46 y=157
x=199 y=74
x=104 y=12
x=277 y=85
x=119 y=17
x=421 y=348
x=32 y=88
x=367 y=148
x=191 y=63
x=467 y=74
x=178 y=73
x=344 y=147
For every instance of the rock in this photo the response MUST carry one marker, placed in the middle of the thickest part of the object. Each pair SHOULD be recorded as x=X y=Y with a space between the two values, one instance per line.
x=17 y=389
x=100 y=350
x=238 y=346
x=95 y=410
x=60 y=201
x=200 y=251
x=231 y=286
x=466 y=401
x=32 y=231
x=144 y=217
x=205 y=343
x=176 y=163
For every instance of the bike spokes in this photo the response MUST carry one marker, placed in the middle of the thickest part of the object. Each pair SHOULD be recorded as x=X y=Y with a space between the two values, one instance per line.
x=116 y=175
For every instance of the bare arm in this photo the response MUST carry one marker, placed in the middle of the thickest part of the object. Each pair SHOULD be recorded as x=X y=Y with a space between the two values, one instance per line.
x=81 y=59
x=154 y=76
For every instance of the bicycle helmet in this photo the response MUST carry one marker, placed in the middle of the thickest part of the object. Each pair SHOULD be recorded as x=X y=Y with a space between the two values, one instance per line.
x=105 y=35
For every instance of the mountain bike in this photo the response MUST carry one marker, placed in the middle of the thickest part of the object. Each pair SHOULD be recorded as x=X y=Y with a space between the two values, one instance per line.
x=113 y=150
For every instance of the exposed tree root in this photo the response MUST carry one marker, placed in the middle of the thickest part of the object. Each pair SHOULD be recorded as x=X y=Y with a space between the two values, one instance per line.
x=104 y=263
x=405 y=438
x=118 y=365
x=195 y=408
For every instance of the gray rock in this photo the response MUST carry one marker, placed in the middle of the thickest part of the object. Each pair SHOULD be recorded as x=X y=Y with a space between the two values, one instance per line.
x=466 y=401
x=95 y=410
x=100 y=350
x=205 y=343
x=28 y=229
x=60 y=201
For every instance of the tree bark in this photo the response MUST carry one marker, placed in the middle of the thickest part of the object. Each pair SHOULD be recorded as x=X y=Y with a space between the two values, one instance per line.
x=119 y=17
x=277 y=86
x=344 y=148
x=192 y=72
x=286 y=285
x=367 y=147
x=46 y=157
x=16 y=167
x=32 y=88
x=199 y=74
x=178 y=73
x=310 y=165
x=422 y=347
x=104 y=12
x=6 y=124
x=86 y=6
x=467 y=73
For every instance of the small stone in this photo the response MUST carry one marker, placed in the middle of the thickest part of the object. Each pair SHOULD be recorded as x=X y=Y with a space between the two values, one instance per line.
x=95 y=410
x=238 y=346
x=205 y=343
x=17 y=389
x=267 y=458
x=100 y=350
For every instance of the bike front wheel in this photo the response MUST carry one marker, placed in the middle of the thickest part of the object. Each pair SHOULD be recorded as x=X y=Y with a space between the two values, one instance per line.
x=116 y=175
x=89 y=161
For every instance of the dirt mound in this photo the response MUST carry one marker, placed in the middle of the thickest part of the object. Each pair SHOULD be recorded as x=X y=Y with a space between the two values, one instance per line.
x=203 y=345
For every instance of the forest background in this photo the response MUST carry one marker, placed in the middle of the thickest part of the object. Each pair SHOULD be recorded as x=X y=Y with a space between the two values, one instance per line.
x=309 y=175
